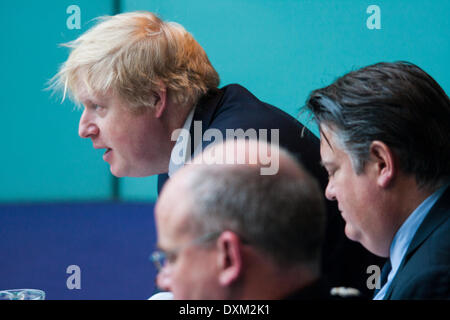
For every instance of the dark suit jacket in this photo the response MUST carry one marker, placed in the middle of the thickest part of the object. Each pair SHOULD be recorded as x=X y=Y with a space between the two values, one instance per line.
x=232 y=107
x=425 y=270
x=235 y=107
x=319 y=290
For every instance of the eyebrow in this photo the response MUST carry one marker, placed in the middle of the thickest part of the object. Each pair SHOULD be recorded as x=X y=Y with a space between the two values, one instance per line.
x=324 y=136
x=92 y=102
x=162 y=248
x=93 y=99
x=159 y=247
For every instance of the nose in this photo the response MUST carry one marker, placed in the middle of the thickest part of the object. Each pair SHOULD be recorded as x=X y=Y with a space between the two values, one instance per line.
x=163 y=280
x=329 y=192
x=87 y=126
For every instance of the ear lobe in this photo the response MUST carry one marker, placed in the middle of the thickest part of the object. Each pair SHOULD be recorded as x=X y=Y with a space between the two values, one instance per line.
x=229 y=258
x=160 y=100
x=384 y=162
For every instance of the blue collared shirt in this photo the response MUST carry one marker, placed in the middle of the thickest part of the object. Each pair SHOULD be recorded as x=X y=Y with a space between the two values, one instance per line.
x=404 y=236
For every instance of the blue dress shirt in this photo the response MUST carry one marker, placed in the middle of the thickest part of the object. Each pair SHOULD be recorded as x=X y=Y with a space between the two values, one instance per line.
x=404 y=236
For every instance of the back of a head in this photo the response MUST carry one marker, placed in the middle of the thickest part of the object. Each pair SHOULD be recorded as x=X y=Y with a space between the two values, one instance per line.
x=133 y=54
x=282 y=215
x=396 y=103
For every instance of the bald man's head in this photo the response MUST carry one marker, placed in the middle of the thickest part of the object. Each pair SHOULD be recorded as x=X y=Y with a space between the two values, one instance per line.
x=244 y=152
x=226 y=219
x=275 y=212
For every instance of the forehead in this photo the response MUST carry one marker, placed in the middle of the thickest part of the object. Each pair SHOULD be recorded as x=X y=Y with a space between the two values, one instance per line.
x=173 y=214
x=330 y=149
x=85 y=92
x=85 y=95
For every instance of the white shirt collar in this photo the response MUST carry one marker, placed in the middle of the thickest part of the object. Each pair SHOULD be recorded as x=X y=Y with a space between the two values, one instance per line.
x=180 y=152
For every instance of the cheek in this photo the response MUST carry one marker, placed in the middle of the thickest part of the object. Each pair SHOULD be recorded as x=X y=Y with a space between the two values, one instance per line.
x=124 y=128
x=196 y=280
x=342 y=190
x=179 y=288
x=128 y=144
x=114 y=134
x=349 y=188
x=184 y=284
x=349 y=200
x=359 y=200
x=138 y=140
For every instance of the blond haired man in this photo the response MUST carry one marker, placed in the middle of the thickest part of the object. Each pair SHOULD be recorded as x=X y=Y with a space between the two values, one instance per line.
x=141 y=80
x=151 y=100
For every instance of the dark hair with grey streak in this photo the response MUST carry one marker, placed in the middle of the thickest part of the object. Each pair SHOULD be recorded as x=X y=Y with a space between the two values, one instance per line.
x=396 y=103
x=282 y=215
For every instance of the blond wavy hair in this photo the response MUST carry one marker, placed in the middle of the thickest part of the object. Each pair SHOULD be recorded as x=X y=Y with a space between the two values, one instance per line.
x=134 y=54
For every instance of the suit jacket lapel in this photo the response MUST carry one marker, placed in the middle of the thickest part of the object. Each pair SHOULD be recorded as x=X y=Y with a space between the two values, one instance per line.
x=162 y=178
x=204 y=112
x=437 y=215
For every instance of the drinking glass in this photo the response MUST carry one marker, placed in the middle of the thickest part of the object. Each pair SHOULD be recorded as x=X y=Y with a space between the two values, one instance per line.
x=22 y=294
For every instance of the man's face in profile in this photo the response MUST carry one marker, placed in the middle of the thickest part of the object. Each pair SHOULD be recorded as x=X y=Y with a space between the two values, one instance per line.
x=190 y=268
x=131 y=140
x=357 y=194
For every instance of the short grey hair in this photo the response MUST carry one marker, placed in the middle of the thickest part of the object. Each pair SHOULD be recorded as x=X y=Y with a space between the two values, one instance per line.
x=282 y=215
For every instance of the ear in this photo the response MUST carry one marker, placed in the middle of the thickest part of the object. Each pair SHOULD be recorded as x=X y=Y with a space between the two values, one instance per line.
x=384 y=163
x=229 y=258
x=160 y=100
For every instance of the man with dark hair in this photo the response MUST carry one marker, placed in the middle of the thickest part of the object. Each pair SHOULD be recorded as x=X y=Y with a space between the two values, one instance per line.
x=385 y=142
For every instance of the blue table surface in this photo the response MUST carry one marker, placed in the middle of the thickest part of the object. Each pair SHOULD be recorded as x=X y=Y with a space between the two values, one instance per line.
x=110 y=242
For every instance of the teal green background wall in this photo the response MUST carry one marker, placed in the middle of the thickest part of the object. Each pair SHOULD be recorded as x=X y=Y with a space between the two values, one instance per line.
x=42 y=158
x=279 y=50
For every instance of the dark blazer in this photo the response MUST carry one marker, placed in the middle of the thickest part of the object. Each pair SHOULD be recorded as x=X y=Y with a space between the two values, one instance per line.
x=425 y=270
x=320 y=290
x=232 y=107
x=235 y=107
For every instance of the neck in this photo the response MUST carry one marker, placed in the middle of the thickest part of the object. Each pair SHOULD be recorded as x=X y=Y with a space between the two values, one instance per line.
x=174 y=118
x=264 y=280
x=176 y=114
x=409 y=197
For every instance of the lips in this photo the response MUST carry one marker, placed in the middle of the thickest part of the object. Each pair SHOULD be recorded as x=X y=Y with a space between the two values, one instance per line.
x=107 y=155
x=108 y=152
x=343 y=215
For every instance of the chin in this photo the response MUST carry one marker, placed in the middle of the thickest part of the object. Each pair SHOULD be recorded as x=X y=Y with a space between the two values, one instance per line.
x=127 y=169
x=147 y=171
x=134 y=173
x=350 y=233
x=117 y=172
x=180 y=296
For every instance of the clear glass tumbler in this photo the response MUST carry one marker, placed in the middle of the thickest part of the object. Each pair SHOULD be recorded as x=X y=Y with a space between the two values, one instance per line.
x=22 y=294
